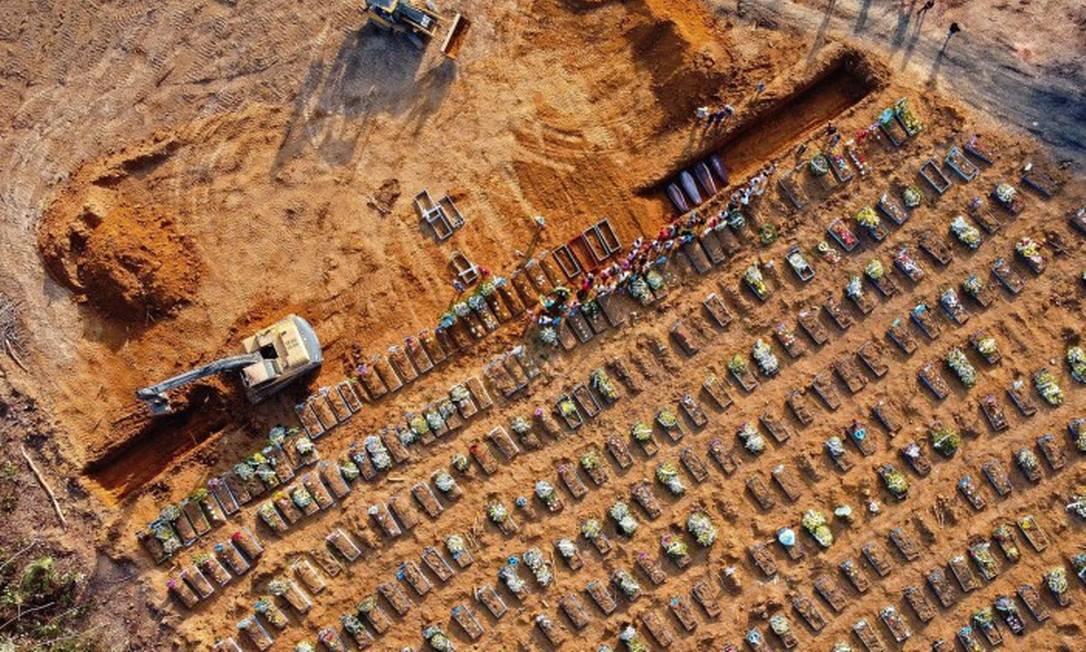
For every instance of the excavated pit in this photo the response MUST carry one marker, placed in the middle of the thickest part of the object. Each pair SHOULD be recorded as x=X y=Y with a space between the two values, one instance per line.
x=832 y=91
x=150 y=444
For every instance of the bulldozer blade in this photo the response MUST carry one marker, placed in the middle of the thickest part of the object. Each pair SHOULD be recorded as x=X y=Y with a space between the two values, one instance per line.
x=454 y=38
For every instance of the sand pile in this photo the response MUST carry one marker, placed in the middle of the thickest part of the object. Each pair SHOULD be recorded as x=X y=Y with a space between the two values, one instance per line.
x=683 y=73
x=127 y=259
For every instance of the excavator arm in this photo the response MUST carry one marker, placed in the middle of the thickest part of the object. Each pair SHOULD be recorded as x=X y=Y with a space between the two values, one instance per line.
x=155 y=395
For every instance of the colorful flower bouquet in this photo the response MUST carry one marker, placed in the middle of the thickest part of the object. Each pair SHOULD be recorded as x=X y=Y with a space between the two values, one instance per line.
x=911 y=196
x=624 y=520
x=1076 y=359
x=668 y=475
x=818 y=527
x=756 y=282
x=701 y=527
x=752 y=440
x=1047 y=387
x=956 y=360
x=945 y=439
x=965 y=232
x=602 y=383
x=765 y=358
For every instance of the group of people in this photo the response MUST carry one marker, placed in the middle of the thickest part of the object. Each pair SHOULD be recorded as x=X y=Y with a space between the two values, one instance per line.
x=715 y=116
x=711 y=117
x=754 y=187
x=644 y=254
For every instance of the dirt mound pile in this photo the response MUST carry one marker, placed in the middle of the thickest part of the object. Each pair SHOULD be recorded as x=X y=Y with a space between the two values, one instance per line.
x=128 y=260
x=683 y=75
x=686 y=69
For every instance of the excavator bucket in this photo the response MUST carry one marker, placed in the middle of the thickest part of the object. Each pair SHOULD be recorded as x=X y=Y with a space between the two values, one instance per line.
x=454 y=38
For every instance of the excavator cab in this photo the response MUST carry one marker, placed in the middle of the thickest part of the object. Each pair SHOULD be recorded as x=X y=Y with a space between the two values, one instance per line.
x=287 y=349
x=400 y=15
x=419 y=23
x=273 y=358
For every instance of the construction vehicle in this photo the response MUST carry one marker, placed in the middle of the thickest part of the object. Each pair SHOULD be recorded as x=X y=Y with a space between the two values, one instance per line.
x=419 y=23
x=274 y=357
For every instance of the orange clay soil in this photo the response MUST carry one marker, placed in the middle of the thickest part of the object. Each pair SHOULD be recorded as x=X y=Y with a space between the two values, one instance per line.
x=256 y=161
x=267 y=209
x=1031 y=328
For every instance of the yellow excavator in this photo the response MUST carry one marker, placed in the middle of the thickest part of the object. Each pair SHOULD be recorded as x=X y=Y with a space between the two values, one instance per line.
x=273 y=358
x=419 y=23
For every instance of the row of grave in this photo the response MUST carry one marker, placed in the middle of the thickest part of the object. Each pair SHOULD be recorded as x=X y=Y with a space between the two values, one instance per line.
x=1026 y=249
x=571 y=605
x=382 y=514
x=921 y=316
x=494 y=301
x=830 y=167
x=881 y=564
x=288 y=453
x=869 y=220
x=713 y=246
x=870 y=353
x=703 y=252
x=642 y=434
x=983 y=620
x=817 y=525
x=1000 y=484
x=542 y=625
x=602 y=542
x=497 y=301
x=594 y=478
x=430 y=557
x=827 y=588
x=876 y=275
x=890 y=475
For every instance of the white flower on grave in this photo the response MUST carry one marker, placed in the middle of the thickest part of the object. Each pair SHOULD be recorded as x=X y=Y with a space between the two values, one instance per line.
x=548 y=335
x=378 y=452
x=625 y=521
x=459 y=393
x=779 y=624
x=533 y=559
x=434 y=420
x=545 y=491
x=701 y=526
x=455 y=544
x=566 y=548
x=509 y=575
x=497 y=512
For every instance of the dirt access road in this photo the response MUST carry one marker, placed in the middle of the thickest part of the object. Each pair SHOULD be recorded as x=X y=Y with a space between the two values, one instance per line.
x=1000 y=63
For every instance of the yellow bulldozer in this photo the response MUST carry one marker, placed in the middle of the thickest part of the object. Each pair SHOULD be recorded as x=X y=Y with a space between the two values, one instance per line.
x=420 y=24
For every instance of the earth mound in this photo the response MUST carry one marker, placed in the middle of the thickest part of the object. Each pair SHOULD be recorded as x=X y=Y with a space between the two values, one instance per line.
x=127 y=259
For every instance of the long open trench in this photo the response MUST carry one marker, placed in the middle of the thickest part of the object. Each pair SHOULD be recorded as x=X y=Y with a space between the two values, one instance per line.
x=774 y=128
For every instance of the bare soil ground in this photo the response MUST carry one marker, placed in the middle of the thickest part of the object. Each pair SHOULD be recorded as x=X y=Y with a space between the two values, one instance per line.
x=175 y=177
